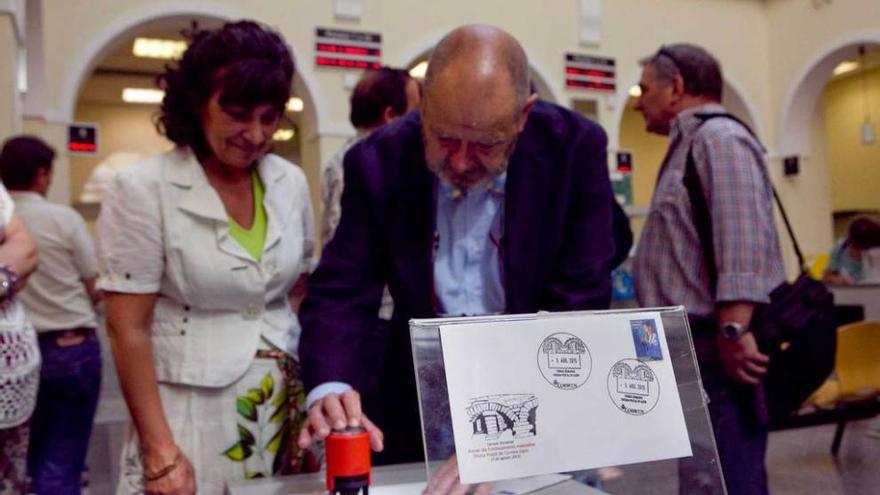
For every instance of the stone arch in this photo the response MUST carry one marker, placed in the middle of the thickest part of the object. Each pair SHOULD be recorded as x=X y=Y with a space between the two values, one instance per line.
x=806 y=89
x=84 y=61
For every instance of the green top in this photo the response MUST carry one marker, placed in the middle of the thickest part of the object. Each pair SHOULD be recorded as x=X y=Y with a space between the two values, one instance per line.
x=252 y=239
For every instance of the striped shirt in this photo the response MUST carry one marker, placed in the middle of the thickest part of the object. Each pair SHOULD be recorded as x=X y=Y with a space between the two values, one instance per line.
x=669 y=267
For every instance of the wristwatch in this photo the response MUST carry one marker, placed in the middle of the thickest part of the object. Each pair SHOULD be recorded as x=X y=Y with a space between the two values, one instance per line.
x=732 y=330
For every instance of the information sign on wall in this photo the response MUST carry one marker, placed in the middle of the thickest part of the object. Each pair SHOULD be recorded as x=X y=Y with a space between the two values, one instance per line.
x=347 y=49
x=590 y=73
x=624 y=162
x=82 y=138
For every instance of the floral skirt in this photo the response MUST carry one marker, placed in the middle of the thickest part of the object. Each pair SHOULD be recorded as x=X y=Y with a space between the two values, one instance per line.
x=243 y=431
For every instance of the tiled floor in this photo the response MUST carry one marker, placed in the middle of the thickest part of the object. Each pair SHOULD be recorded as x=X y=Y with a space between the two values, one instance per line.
x=800 y=462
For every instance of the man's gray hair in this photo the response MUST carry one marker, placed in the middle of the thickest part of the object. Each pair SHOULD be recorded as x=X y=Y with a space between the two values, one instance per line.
x=699 y=70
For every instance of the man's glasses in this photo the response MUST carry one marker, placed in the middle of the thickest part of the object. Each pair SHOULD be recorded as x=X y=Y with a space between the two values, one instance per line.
x=668 y=54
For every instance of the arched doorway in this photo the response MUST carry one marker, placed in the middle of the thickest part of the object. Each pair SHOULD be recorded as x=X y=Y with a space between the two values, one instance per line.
x=823 y=125
x=97 y=80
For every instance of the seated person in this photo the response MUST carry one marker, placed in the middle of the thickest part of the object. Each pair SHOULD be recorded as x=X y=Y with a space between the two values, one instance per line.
x=847 y=263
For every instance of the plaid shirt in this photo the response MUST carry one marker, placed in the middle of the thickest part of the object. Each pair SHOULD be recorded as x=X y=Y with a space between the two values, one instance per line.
x=669 y=267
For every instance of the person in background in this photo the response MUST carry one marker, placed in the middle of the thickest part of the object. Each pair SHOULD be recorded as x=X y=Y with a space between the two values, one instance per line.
x=198 y=250
x=486 y=201
x=20 y=352
x=379 y=97
x=846 y=263
x=681 y=91
x=59 y=300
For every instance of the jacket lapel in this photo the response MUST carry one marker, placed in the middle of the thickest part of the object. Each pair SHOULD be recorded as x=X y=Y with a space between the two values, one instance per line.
x=277 y=206
x=414 y=227
x=199 y=199
x=526 y=196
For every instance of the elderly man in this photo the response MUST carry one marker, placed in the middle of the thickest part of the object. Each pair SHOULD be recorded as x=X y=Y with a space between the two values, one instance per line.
x=721 y=275
x=486 y=201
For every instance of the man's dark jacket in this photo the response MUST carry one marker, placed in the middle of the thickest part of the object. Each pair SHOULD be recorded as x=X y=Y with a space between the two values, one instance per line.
x=555 y=252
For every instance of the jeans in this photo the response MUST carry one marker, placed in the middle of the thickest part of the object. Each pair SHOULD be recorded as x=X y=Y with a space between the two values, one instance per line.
x=70 y=381
x=741 y=439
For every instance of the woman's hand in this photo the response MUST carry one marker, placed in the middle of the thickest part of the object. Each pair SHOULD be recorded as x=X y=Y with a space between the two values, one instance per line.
x=179 y=480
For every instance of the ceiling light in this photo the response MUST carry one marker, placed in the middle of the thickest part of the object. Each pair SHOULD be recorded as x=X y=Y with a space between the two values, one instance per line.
x=635 y=91
x=295 y=104
x=283 y=135
x=158 y=48
x=142 y=95
x=844 y=67
x=419 y=71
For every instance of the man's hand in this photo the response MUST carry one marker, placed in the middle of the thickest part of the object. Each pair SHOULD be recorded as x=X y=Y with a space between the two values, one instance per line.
x=336 y=412
x=446 y=482
x=741 y=359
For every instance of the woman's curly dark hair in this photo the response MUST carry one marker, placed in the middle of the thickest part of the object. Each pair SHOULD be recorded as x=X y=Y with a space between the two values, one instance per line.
x=248 y=63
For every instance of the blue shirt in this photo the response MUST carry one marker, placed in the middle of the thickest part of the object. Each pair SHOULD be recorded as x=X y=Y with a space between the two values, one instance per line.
x=843 y=263
x=467 y=261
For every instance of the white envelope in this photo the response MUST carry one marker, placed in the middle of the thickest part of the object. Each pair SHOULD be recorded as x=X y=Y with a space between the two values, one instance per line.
x=561 y=394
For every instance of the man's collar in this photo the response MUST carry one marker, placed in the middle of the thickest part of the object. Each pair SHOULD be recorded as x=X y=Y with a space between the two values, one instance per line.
x=495 y=185
x=26 y=195
x=686 y=121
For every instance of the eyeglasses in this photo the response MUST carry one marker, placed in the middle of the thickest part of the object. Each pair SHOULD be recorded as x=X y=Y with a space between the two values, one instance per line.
x=668 y=54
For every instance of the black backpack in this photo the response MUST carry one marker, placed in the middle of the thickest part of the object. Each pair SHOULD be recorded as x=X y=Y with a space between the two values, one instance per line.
x=796 y=328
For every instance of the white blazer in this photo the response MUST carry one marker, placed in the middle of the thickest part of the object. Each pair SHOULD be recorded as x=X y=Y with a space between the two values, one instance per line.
x=163 y=229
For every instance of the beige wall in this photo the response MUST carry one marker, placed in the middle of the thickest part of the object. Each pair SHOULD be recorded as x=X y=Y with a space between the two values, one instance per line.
x=9 y=95
x=801 y=35
x=127 y=128
x=764 y=46
x=409 y=27
x=854 y=167
x=648 y=151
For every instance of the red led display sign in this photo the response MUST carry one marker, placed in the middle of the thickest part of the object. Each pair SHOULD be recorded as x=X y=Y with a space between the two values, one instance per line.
x=82 y=138
x=590 y=73
x=348 y=49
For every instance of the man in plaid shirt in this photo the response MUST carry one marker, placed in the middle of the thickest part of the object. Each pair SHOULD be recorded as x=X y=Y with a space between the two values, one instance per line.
x=681 y=84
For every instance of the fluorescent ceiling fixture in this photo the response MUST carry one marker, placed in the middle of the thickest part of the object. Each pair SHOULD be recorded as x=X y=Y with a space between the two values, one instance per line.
x=419 y=71
x=283 y=135
x=142 y=95
x=158 y=48
x=844 y=67
x=635 y=91
x=295 y=104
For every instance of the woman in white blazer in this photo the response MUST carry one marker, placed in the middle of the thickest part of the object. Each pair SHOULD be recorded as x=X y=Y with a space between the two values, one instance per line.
x=199 y=249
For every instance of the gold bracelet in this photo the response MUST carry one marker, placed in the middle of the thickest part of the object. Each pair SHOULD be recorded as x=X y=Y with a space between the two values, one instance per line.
x=155 y=475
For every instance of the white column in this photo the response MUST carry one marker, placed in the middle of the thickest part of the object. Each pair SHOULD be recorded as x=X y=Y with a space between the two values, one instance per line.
x=11 y=42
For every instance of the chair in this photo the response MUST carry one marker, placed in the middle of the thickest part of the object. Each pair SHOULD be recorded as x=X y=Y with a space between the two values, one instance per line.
x=816 y=264
x=858 y=359
x=857 y=371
